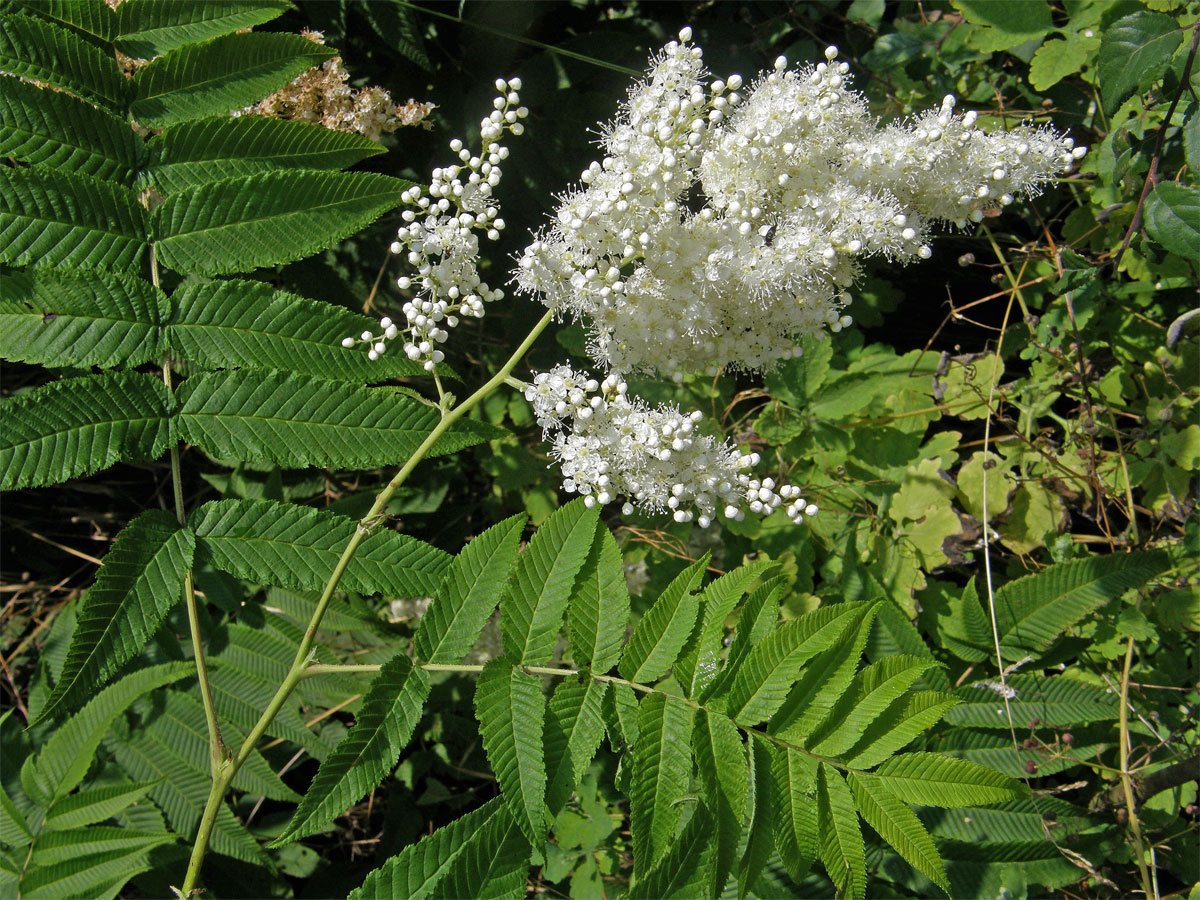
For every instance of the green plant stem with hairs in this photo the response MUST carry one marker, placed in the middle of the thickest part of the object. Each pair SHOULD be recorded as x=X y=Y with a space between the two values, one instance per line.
x=226 y=769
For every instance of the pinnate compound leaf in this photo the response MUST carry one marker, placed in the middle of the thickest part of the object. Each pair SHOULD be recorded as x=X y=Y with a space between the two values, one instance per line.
x=796 y=828
x=385 y=722
x=531 y=611
x=724 y=775
x=661 y=633
x=65 y=317
x=907 y=717
x=1056 y=701
x=662 y=772
x=93 y=805
x=298 y=420
x=50 y=217
x=688 y=867
x=40 y=51
x=1134 y=51
x=1173 y=218
x=141 y=580
x=930 y=779
x=198 y=80
x=77 y=426
x=511 y=710
x=841 y=841
x=899 y=826
x=599 y=605
x=240 y=224
x=873 y=691
x=574 y=729
x=150 y=28
x=57 y=130
x=222 y=147
x=1032 y=612
x=71 y=749
x=239 y=324
x=88 y=863
x=296 y=547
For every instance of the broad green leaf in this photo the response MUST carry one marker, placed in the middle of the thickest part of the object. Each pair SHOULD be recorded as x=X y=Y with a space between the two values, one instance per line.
x=77 y=426
x=758 y=618
x=1005 y=24
x=763 y=806
x=93 y=805
x=86 y=863
x=298 y=420
x=930 y=779
x=149 y=28
x=198 y=80
x=263 y=220
x=90 y=19
x=223 y=147
x=898 y=825
x=1032 y=612
x=724 y=775
x=240 y=324
x=687 y=868
x=39 y=51
x=662 y=773
x=531 y=610
x=469 y=591
x=1056 y=701
x=141 y=580
x=512 y=711
x=1058 y=58
x=574 y=729
x=1173 y=218
x=53 y=218
x=796 y=829
x=76 y=317
x=761 y=684
x=1134 y=52
x=841 y=842
x=661 y=633
x=906 y=718
x=599 y=605
x=71 y=749
x=873 y=691
x=57 y=130
x=382 y=728
x=701 y=659
x=297 y=547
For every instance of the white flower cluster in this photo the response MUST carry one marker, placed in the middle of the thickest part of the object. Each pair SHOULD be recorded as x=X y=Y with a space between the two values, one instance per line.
x=610 y=444
x=724 y=222
x=441 y=242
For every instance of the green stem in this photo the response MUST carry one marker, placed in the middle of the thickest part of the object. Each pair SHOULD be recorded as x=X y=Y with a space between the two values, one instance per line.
x=1135 y=826
x=372 y=518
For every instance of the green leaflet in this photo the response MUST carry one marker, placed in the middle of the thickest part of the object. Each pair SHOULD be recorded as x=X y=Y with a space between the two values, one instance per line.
x=841 y=842
x=208 y=150
x=150 y=28
x=142 y=579
x=796 y=829
x=907 y=717
x=1032 y=612
x=93 y=805
x=61 y=317
x=662 y=771
x=240 y=224
x=574 y=729
x=1057 y=701
x=298 y=420
x=763 y=805
x=88 y=863
x=873 y=691
x=14 y=830
x=511 y=711
x=661 y=633
x=493 y=865
x=599 y=605
x=37 y=50
x=724 y=772
x=235 y=70
x=687 y=869
x=91 y=19
x=47 y=127
x=930 y=779
x=621 y=716
x=385 y=722
x=532 y=607
x=245 y=324
x=50 y=217
x=297 y=547
x=468 y=593
x=77 y=426
x=757 y=620
x=899 y=826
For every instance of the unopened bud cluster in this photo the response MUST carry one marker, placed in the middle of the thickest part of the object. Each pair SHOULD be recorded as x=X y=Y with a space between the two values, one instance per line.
x=440 y=240
x=610 y=444
x=726 y=220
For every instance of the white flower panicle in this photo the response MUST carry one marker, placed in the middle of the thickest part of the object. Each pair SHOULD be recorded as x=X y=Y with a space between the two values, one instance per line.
x=725 y=221
x=441 y=243
x=610 y=444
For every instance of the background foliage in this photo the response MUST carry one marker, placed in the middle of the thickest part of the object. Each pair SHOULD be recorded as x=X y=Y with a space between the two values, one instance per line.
x=1029 y=393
